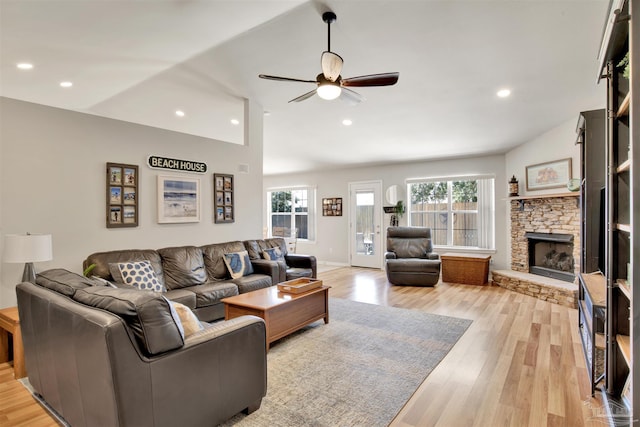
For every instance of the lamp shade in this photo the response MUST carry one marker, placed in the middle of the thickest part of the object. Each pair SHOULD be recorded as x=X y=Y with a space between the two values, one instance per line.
x=27 y=248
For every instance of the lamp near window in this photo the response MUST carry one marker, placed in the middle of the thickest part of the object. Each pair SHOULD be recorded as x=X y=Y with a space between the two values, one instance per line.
x=27 y=248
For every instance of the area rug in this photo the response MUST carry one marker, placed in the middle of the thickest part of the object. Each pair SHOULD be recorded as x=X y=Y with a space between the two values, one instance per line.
x=358 y=370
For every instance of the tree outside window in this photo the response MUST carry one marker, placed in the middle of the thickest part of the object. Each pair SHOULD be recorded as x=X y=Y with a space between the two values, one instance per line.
x=449 y=208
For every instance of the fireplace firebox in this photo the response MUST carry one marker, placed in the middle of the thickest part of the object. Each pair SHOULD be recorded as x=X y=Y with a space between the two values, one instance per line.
x=551 y=255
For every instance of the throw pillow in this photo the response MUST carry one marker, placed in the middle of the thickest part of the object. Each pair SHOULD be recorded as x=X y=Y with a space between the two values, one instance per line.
x=273 y=254
x=140 y=275
x=238 y=264
x=189 y=321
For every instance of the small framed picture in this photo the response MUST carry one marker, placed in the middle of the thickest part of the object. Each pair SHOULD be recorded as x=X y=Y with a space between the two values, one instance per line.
x=122 y=195
x=115 y=214
x=116 y=195
x=129 y=214
x=115 y=174
x=219 y=183
x=332 y=206
x=223 y=201
x=129 y=195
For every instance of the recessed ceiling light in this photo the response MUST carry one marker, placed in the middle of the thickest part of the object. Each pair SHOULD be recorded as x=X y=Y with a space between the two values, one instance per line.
x=25 y=66
x=347 y=122
x=179 y=113
x=235 y=122
x=503 y=93
x=66 y=84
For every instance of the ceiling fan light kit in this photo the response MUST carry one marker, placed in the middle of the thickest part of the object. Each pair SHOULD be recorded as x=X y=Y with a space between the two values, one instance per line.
x=330 y=85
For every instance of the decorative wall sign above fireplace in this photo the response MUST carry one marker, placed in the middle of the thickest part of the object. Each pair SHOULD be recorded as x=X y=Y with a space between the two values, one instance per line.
x=157 y=162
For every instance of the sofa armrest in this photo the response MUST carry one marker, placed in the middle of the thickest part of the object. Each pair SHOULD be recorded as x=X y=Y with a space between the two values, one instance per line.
x=433 y=255
x=265 y=266
x=390 y=255
x=302 y=261
x=220 y=328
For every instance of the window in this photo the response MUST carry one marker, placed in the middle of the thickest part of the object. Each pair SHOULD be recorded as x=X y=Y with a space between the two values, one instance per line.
x=292 y=212
x=460 y=211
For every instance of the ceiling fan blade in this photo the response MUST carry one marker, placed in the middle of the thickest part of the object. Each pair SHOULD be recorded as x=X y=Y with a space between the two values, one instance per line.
x=284 y=79
x=331 y=65
x=305 y=96
x=350 y=96
x=383 y=79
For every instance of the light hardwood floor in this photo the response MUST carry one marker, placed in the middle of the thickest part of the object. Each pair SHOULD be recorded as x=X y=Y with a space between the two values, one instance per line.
x=520 y=363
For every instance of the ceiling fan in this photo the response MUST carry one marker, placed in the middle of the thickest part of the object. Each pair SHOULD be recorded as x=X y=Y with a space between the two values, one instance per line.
x=330 y=84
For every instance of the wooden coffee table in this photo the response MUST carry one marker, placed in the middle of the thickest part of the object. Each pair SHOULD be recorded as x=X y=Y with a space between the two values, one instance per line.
x=283 y=313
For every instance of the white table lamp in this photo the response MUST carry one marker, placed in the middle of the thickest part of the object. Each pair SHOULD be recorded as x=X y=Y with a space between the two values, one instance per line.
x=27 y=248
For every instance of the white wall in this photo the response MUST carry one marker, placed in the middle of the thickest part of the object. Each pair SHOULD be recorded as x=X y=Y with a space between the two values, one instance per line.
x=53 y=181
x=332 y=245
x=555 y=144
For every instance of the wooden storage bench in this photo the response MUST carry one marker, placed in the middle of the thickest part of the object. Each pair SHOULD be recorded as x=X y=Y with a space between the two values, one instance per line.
x=468 y=269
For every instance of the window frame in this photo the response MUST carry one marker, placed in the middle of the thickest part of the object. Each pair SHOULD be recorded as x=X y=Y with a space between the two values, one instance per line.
x=450 y=212
x=310 y=214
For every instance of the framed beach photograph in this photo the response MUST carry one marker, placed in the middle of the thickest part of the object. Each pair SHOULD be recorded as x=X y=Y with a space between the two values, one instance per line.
x=554 y=174
x=122 y=190
x=178 y=199
x=223 y=201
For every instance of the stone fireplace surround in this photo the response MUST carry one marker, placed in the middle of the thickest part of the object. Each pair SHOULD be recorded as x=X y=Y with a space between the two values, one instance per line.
x=551 y=213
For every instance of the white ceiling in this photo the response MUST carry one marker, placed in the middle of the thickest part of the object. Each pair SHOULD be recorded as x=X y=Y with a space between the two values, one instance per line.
x=140 y=61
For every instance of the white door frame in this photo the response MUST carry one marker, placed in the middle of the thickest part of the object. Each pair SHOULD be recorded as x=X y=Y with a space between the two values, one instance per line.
x=375 y=260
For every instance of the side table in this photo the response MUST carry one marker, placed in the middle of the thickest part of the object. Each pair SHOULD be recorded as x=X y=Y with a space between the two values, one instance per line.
x=10 y=323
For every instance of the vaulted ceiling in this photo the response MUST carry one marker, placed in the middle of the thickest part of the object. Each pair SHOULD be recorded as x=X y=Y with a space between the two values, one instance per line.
x=140 y=61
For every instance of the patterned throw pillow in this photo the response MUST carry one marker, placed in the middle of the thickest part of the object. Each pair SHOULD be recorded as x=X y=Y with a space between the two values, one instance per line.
x=238 y=264
x=273 y=254
x=140 y=275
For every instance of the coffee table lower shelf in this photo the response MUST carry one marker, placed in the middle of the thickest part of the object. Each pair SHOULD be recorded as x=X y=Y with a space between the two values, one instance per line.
x=282 y=313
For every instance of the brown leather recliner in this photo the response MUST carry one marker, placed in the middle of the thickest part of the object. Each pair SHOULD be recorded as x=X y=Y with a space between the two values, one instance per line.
x=410 y=259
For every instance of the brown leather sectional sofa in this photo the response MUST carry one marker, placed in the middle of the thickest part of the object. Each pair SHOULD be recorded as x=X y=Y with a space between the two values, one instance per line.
x=102 y=356
x=197 y=276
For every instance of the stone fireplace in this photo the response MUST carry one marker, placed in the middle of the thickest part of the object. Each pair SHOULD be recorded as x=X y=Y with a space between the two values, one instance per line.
x=545 y=248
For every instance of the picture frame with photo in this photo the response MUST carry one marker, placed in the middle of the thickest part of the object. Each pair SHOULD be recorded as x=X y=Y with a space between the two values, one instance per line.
x=122 y=195
x=332 y=206
x=178 y=199
x=543 y=176
x=224 y=210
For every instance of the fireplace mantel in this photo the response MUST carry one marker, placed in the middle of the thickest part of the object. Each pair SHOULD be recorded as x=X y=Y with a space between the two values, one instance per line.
x=546 y=196
x=521 y=199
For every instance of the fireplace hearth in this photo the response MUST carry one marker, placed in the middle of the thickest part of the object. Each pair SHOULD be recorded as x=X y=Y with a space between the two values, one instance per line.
x=551 y=255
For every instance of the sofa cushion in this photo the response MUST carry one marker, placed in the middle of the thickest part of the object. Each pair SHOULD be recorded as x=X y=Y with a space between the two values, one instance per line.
x=214 y=258
x=183 y=296
x=273 y=254
x=183 y=266
x=188 y=320
x=252 y=282
x=296 y=273
x=140 y=275
x=211 y=293
x=147 y=314
x=63 y=281
x=416 y=247
x=238 y=264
